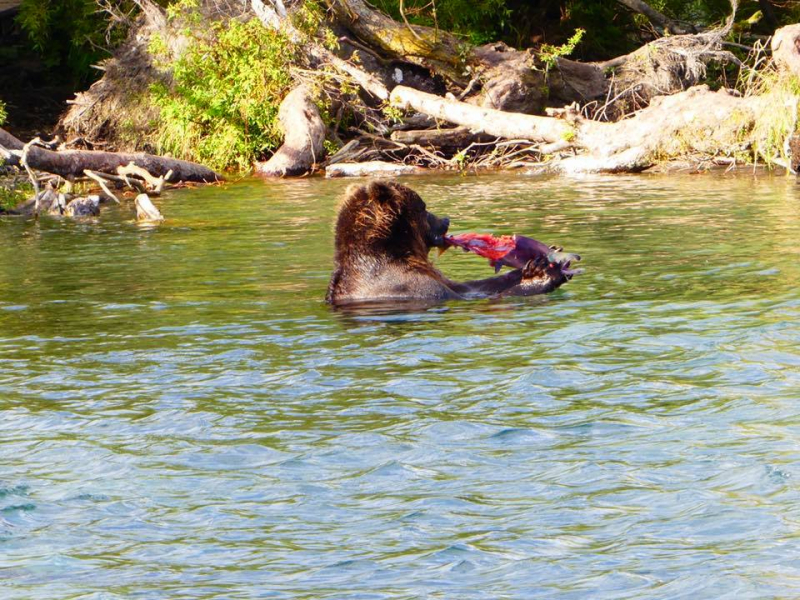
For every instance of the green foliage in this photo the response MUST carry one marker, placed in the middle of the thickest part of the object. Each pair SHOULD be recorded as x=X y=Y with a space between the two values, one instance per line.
x=778 y=116
x=460 y=160
x=184 y=8
x=697 y=11
x=69 y=33
x=308 y=19
x=3 y=112
x=331 y=147
x=393 y=113
x=548 y=54
x=14 y=192
x=222 y=106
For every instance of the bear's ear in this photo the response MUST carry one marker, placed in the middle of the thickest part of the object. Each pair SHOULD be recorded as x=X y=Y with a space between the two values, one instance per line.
x=382 y=193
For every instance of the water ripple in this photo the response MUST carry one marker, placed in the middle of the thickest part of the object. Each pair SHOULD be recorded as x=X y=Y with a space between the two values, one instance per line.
x=193 y=422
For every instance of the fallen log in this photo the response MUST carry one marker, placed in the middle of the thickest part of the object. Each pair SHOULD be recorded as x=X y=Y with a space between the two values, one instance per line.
x=695 y=121
x=450 y=139
x=493 y=122
x=417 y=44
x=305 y=134
x=375 y=168
x=72 y=163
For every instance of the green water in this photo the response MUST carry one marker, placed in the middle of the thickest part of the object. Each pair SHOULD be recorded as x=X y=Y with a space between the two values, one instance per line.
x=183 y=417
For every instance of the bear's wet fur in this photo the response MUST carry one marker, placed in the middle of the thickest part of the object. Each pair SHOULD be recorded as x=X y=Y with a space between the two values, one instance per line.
x=383 y=235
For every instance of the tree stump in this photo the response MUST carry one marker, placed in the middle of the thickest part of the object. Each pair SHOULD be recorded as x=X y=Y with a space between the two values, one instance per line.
x=305 y=134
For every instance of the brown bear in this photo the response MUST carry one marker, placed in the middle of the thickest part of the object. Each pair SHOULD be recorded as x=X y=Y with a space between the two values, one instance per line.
x=383 y=236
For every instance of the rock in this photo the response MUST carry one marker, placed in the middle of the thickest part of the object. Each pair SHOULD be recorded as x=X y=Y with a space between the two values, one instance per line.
x=83 y=207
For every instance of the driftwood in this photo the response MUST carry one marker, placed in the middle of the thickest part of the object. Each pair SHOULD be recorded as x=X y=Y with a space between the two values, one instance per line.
x=695 y=120
x=305 y=134
x=72 y=163
x=449 y=139
x=156 y=183
x=371 y=169
x=493 y=122
x=146 y=210
x=500 y=77
x=786 y=48
x=102 y=183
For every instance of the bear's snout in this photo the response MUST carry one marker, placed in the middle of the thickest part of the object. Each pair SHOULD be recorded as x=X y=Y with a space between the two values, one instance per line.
x=437 y=228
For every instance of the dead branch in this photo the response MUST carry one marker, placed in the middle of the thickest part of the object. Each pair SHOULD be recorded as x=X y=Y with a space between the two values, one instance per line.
x=98 y=178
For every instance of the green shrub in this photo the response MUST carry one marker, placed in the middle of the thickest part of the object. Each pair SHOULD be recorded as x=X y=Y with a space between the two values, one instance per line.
x=71 y=33
x=550 y=54
x=3 y=113
x=221 y=108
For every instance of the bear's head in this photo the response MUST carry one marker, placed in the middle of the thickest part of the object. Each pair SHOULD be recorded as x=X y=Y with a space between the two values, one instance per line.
x=387 y=219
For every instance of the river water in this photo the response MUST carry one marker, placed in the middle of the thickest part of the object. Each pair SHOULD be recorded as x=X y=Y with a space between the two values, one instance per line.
x=183 y=417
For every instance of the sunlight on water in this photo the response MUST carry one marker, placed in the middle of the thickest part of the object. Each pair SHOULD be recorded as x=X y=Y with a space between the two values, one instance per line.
x=183 y=417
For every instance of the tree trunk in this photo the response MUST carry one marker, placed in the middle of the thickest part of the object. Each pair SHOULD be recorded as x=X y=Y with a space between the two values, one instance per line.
x=450 y=139
x=73 y=163
x=786 y=48
x=697 y=120
x=305 y=134
x=417 y=44
x=492 y=122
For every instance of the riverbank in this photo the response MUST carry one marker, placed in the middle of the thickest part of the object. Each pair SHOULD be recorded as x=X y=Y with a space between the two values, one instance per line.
x=295 y=90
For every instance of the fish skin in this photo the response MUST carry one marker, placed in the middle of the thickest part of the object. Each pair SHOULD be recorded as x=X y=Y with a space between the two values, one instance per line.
x=511 y=251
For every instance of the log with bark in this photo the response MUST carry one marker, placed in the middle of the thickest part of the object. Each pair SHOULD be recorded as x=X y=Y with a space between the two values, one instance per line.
x=73 y=163
x=448 y=139
x=500 y=77
x=697 y=120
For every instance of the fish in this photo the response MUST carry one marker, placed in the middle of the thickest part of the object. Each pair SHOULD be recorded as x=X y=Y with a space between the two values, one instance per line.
x=514 y=251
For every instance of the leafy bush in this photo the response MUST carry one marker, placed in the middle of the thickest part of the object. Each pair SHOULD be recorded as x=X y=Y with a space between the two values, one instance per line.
x=3 y=113
x=222 y=106
x=70 y=33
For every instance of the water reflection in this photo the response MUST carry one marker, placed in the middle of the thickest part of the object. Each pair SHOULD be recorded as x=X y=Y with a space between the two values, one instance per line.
x=184 y=417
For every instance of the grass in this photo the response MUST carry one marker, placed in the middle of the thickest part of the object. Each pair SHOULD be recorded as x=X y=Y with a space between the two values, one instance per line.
x=778 y=118
x=13 y=191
